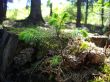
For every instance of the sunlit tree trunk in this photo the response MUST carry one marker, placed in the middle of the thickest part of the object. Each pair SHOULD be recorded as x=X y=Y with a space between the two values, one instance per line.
x=86 y=13
x=78 y=20
x=35 y=16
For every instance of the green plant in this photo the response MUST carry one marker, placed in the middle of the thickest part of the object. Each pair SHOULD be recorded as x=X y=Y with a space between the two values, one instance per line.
x=33 y=35
x=105 y=77
x=105 y=69
x=84 y=33
x=84 y=45
x=98 y=79
x=79 y=33
x=55 y=60
x=58 y=21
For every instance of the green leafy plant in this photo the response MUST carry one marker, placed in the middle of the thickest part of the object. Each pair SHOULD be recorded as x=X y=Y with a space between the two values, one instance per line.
x=84 y=45
x=84 y=32
x=55 y=60
x=58 y=21
x=105 y=69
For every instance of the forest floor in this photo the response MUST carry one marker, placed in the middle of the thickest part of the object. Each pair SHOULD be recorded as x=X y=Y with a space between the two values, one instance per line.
x=52 y=65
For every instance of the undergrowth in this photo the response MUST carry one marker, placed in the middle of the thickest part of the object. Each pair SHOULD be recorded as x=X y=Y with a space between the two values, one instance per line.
x=33 y=35
x=105 y=74
x=76 y=50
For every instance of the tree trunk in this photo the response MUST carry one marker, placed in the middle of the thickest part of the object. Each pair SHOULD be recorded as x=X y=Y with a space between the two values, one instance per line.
x=102 y=13
x=86 y=13
x=35 y=16
x=50 y=5
x=91 y=4
x=3 y=9
x=51 y=12
x=78 y=20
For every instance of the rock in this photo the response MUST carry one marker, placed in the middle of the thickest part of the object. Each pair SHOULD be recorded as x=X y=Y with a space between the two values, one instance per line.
x=96 y=58
x=8 y=46
x=24 y=56
x=11 y=48
x=9 y=23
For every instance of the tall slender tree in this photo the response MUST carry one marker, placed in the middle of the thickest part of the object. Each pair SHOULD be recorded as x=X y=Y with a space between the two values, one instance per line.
x=102 y=13
x=78 y=20
x=86 y=13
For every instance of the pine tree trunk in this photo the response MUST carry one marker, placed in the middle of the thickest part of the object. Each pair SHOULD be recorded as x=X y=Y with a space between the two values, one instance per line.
x=86 y=13
x=78 y=20
x=51 y=12
x=35 y=14
x=102 y=13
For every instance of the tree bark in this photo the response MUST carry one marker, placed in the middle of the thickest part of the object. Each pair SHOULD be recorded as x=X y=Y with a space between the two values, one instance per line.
x=51 y=12
x=86 y=13
x=78 y=20
x=3 y=9
x=35 y=16
x=102 y=13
